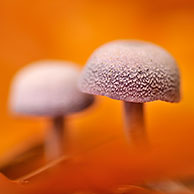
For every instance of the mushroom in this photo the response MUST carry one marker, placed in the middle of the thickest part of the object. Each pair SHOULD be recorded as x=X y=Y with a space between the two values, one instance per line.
x=49 y=89
x=134 y=72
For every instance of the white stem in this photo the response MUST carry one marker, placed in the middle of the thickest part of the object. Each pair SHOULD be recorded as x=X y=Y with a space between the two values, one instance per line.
x=55 y=139
x=134 y=121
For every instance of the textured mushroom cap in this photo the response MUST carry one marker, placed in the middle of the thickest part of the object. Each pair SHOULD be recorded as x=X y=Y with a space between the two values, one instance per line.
x=48 y=88
x=132 y=71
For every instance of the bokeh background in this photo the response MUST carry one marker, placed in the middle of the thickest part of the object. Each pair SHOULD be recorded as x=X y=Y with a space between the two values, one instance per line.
x=70 y=30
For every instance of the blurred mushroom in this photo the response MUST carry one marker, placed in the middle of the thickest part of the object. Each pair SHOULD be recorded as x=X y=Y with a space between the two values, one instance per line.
x=49 y=89
x=134 y=72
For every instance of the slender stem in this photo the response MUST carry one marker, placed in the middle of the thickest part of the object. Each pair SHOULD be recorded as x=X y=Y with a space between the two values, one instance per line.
x=55 y=139
x=134 y=121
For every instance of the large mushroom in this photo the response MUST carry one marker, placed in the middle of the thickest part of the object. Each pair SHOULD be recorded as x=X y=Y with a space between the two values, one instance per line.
x=49 y=89
x=134 y=72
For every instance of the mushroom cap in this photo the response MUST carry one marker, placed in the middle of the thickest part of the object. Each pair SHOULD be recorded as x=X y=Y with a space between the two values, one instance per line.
x=48 y=88
x=132 y=71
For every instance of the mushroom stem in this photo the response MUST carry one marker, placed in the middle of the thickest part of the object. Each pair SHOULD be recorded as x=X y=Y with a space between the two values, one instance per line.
x=55 y=138
x=134 y=121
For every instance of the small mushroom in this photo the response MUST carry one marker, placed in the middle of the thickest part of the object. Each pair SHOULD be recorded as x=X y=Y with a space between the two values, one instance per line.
x=134 y=72
x=49 y=89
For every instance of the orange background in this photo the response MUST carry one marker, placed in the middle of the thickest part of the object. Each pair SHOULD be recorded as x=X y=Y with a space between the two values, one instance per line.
x=71 y=30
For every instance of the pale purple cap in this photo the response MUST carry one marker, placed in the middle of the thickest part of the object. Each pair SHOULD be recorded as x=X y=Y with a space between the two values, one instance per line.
x=132 y=71
x=48 y=88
